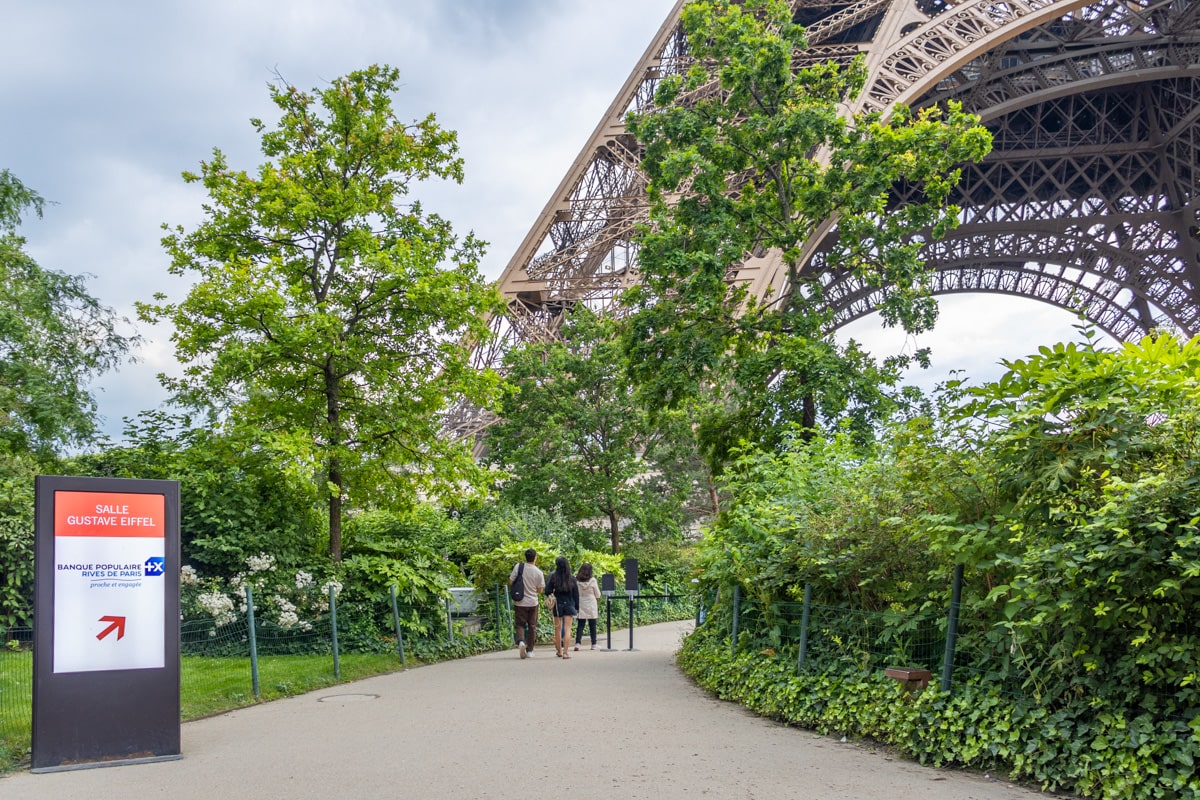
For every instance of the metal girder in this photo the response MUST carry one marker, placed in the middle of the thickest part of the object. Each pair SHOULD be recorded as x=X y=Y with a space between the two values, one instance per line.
x=1088 y=200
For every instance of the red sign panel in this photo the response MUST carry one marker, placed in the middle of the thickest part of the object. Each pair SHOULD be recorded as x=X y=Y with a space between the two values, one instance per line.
x=109 y=514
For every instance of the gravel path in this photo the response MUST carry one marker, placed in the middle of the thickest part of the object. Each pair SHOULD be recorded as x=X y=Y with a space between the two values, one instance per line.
x=609 y=724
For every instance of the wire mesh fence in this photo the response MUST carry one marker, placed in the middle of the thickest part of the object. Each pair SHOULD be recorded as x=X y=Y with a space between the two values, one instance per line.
x=978 y=650
x=870 y=639
x=16 y=684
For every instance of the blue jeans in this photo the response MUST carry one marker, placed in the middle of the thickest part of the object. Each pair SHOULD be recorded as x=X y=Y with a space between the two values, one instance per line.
x=591 y=630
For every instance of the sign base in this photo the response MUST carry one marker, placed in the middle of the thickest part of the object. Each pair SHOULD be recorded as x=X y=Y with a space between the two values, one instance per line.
x=119 y=762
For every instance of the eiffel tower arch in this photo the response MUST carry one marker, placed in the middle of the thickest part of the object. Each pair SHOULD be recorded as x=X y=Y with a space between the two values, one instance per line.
x=1087 y=201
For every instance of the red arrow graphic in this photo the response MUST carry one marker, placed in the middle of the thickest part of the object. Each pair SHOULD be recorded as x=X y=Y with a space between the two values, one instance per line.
x=118 y=625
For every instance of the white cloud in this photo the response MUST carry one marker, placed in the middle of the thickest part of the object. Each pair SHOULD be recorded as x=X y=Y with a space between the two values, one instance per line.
x=973 y=335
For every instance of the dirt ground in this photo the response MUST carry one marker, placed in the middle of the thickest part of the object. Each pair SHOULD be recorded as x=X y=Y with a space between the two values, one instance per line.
x=599 y=725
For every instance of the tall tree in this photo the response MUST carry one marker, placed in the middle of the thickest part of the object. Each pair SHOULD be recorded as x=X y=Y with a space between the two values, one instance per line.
x=746 y=154
x=329 y=308
x=573 y=437
x=55 y=337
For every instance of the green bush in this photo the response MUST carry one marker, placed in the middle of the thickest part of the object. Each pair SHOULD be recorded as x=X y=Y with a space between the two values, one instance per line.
x=492 y=569
x=1086 y=746
x=16 y=541
x=1068 y=491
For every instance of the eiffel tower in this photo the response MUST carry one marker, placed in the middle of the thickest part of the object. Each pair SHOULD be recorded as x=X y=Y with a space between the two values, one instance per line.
x=1087 y=201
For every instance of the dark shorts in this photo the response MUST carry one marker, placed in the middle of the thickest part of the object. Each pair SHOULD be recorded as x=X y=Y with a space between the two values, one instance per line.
x=565 y=610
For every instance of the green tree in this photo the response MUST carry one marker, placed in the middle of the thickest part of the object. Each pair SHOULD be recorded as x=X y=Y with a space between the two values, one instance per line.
x=329 y=309
x=236 y=499
x=745 y=155
x=572 y=436
x=54 y=339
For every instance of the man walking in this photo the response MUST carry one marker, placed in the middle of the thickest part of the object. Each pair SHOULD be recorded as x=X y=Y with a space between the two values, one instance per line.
x=525 y=610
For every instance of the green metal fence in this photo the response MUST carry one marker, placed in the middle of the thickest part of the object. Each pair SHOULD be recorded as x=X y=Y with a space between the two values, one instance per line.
x=16 y=685
x=870 y=640
x=953 y=648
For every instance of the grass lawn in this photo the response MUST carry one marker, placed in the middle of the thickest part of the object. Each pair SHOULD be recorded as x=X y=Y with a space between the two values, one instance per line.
x=212 y=685
x=16 y=693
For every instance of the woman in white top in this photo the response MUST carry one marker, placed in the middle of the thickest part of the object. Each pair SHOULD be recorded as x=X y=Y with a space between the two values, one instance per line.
x=589 y=594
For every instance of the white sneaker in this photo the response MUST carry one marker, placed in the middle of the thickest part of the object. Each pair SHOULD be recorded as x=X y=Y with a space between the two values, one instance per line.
x=524 y=652
x=576 y=648
x=528 y=654
x=593 y=647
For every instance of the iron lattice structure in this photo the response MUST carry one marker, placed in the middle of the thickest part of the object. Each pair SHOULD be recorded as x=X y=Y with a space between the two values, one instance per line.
x=1087 y=201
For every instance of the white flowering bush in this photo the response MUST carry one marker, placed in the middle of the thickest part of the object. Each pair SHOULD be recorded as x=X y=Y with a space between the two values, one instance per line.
x=218 y=605
x=290 y=600
x=188 y=576
x=263 y=562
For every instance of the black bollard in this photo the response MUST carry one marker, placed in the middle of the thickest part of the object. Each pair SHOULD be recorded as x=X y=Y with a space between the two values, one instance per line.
x=631 y=591
x=631 y=596
x=608 y=583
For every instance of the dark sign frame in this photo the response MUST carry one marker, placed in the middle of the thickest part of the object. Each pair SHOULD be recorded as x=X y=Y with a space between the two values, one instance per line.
x=105 y=717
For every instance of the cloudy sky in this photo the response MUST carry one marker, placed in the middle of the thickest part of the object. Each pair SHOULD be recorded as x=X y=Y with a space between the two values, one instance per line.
x=105 y=104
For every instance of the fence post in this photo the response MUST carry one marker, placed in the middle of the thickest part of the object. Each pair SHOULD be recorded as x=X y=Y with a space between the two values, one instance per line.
x=253 y=642
x=337 y=668
x=804 y=617
x=396 y=622
x=952 y=627
x=737 y=611
x=499 y=624
x=449 y=622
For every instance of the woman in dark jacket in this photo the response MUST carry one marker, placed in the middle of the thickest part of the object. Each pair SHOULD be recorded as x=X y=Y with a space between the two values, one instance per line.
x=565 y=590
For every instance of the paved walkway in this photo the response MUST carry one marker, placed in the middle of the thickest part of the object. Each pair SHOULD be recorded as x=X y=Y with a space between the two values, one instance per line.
x=601 y=725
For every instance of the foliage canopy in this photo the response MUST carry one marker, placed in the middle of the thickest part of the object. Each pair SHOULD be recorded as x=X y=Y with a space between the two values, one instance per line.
x=746 y=155
x=329 y=309
x=573 y=437
x=54 y=339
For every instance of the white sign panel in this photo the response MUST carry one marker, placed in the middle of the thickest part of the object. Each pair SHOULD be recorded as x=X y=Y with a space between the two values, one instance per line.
x=109 y=558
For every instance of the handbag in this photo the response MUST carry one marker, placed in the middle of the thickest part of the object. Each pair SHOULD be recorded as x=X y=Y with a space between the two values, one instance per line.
x=551 y=601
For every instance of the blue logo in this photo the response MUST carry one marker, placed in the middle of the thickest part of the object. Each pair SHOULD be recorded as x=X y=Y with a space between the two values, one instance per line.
x=156 y=566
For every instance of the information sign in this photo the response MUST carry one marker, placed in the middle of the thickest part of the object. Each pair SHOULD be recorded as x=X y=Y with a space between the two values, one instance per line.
x=109 y=565
x=106 y=601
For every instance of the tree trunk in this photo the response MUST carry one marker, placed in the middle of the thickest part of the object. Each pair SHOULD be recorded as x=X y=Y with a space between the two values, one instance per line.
x=335 y=510
x=614 y=532
x=810 y=416
x=335 y=487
